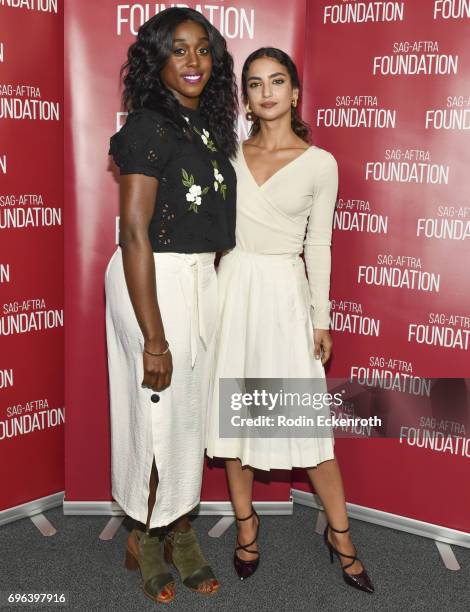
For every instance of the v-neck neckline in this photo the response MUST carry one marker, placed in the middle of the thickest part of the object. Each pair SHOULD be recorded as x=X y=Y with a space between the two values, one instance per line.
x=275 y=173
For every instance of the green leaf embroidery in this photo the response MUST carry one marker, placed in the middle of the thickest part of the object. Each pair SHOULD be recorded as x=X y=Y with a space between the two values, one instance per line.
x=205 y=190
x=209 y=144
x=223 y=190
x=185 y=174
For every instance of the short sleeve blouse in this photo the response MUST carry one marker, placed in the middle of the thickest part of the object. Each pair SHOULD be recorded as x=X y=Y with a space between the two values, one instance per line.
x=195 y=205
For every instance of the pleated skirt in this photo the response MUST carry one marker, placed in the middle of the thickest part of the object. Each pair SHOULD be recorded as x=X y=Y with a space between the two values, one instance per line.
x=264 y=331
x=172 y=430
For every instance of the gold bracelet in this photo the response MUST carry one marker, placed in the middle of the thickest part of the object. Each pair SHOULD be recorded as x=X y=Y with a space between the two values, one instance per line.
x=159 y=354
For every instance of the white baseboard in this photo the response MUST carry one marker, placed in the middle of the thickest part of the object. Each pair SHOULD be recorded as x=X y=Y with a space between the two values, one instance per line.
x=224 y=508
x=215 y=508
x=394 y=521
x=107 y=508
x=31 y=508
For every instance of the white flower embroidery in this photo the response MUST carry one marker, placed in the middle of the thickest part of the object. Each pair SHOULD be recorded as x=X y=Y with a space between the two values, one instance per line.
x=206 y=139
x=195 y=192
x=219 y=180
x=186 y=118
x=205 y=136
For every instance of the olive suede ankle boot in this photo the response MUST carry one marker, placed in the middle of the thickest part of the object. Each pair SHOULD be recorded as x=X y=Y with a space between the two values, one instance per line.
x=182 y=549
x=144 y=551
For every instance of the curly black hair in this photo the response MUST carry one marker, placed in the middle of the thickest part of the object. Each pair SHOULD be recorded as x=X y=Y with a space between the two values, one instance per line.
x=143 y=87
x=301 y=128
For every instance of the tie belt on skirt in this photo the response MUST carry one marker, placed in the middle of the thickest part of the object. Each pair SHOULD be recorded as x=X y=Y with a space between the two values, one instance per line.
x=194 y=273
x=199 y=286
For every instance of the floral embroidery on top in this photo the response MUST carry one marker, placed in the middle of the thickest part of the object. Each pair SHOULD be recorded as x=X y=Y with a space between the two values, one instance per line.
x=205 y=135
x=195 y=192
x=206 y=139
x=219 y=180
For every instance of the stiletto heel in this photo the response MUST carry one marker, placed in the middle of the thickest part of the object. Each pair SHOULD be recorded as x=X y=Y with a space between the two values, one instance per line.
x=331 y=556
x=359 y=581
x=244 y=568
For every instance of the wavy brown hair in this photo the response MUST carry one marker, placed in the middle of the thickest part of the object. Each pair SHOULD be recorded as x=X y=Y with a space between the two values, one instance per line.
x=301 y=128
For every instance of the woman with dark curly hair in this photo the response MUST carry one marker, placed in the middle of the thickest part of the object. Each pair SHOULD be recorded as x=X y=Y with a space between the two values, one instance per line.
x=177 y=209
x=273 y=322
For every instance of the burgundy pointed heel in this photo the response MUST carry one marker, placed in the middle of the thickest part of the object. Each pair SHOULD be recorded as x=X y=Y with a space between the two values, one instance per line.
x=358 y=581
x=244 y=568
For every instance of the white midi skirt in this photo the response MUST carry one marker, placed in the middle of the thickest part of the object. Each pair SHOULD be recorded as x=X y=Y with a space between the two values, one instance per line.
x=173 y=430
x=265 y=330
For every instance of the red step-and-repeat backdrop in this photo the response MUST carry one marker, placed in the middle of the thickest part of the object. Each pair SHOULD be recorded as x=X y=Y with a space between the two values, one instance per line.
x=31 y=252
x=98 y=35
x=381 y=79
x=385 y=90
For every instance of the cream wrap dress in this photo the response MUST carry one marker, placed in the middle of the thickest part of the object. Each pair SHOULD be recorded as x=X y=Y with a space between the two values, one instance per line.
x=267 y=307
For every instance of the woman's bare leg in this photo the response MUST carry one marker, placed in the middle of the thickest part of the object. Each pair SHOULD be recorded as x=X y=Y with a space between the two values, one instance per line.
x=181 y=524
x=153 y=484
x=327 y=482
x=240 y=482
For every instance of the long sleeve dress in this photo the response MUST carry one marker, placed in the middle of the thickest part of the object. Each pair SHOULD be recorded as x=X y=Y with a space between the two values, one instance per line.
x=268 y=308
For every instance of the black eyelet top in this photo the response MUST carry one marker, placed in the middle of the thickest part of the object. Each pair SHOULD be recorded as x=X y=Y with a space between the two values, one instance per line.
x=195 y=205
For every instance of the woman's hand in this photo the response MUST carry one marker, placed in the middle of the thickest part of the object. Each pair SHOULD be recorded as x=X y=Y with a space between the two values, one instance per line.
x=322 y=344
x=157 y=370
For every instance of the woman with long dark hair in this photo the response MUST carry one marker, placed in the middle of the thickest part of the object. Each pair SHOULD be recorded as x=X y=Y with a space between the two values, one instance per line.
x=177 y=209
x=273 y=322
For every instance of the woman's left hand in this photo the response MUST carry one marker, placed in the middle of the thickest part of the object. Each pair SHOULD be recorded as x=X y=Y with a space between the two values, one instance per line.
x=322 y=344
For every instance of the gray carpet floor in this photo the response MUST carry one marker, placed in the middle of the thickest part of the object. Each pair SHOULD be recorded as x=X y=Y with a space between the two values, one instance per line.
x=294 y=574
